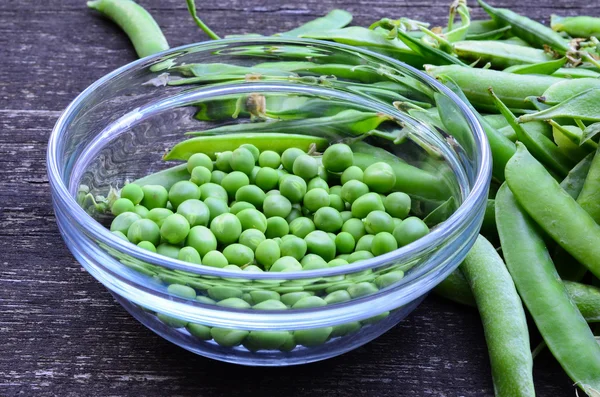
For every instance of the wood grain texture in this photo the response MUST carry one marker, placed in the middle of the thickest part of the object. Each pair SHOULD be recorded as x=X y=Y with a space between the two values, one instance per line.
x=61 y=332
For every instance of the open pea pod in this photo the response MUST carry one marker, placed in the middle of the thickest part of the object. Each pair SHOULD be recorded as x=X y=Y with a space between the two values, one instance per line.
x=499 y=54
x=430 y=54
x=548 y=67
x=582 y=106
x=577 y=26
x=335 y=19
x=575 y=135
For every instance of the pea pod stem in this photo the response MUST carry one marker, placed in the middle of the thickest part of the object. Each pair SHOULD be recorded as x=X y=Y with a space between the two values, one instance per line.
x=191 y=5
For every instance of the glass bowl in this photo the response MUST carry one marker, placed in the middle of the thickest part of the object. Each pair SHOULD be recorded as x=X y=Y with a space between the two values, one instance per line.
x=118 y=129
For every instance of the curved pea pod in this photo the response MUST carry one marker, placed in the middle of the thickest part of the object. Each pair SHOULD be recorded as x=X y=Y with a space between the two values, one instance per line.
x=503 y=318
x=587 y=298
x=579 y=26
x=583 y=106
x=562 y=326
x=500 y=55
x=589 y=197
x=335 y=19
x=430 y=54
x=210 y=145
x=456 y=288
x=545 y=67
x=553 y=209
x=166 y=178
x=485 y=30
x=565 y=89
x=576 y=73
x=573 y=182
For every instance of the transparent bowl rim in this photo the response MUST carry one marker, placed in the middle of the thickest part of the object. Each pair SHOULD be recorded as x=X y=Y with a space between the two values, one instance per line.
x=101 y=234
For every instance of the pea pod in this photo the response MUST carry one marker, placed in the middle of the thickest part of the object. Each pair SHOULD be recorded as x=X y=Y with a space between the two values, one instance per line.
x=582 y=106
x=545 y=67
x=553 y=209
x=456 y=288
x=565 y=89
x=364 y=74
x=441 y=213
x=562 y=326
x=488 y=227
x=485 y=30
x=572 y=135
x=589 y=198
x=503 y=320
x=166 y=178
x=335 y=19
x=579 y=26
x=587 y=298
x=576 y=73
x=573 y=183
x=500 y=55
x=210 y=145
x=590 y=132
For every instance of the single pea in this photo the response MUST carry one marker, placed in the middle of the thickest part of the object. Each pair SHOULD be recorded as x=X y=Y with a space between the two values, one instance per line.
x=276 y=227
x=217 y=176
x=343 y=256
x=291 y=298
x=199 y=160
x=344 y=243
x=353 y=189
x=380 y=177
x=277 y=205
x=171 y=321
x=233 y=181
x=226 y=228
x=397 y=204
x=397 y=222
x=338 y=157
x=253 y=269
x=216 y=207
x=202 y=239
x=183 y=291
x=238 y=254
x=223 y=162
x=328 y=219
x=155 y=196
x=293 y=187
x=220 y=293
x=147 y=245
x=362 y=289
x=252 y=219
x=267 y=252
x=158 y=215
x=270 y=159
x=286 y=264
x=260 y=295
x=319 y=243
x=337 y=262
x=352 y=173
x=332 y=236
x=251 y=238
x=315 y=199
x=364 y=243
x=175 y=229
x=355 y=227
x=234 y=303
x=189 y=254
x=312 y=337
x=214 y=259
x=273 y=192
x=182 y=191
x=357 y=256
x=141 y=210
x=337 y=297
x=195 y=212
x=317 y=183
x=242 y=160
x=383 y=243
x=346 y=215
x=265 y=340
x=200 y=331
x=205 y=300
x=305 y=166
x=336 y=202
x=120 y=235
x=227 y=337
x=363 y=205
x=302 y=226
x=289 y=156
x=169 y=250
x=313 y=262
x=200 y=175
x=345 y=329
x=270 y=304
x=253 y=174
x=294 y=247
x=252 y=149
x=337 y=190
x=133 y=192
x=391 y=278
x=143 y=230
x=213 y=190
x=251 y=194
x=378 y=221
x=309 y=302
x=267 y=178
x=123 y=222
x=294 y=214
x=411 y=229
x=240 y=206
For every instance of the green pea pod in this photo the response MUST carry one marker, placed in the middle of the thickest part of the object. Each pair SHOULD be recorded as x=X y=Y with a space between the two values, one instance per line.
x=359 y=36
x=454 y=121
x=430 y=54
x=503 y=318
x=582 y=106
x=542 y=147
x=547 y=67
x=572 y=134
x=456 y=288
x=553 y=209
x=573 y=183
x=579 y=26
x=515 y=41
x=458 y=33
x=488 y=227
x=565 y=89
x=212 y=144
x=166 y=178
x=587 y=298
x=589 y=197
x=562 y=326
x=358 y=73
x=490 y=35
x=590 y=132
x=500 y=55
x=576 y=73
x=335 y=19
x=441 y=213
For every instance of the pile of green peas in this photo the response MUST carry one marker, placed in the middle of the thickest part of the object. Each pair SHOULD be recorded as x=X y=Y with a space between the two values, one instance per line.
x=261 y=211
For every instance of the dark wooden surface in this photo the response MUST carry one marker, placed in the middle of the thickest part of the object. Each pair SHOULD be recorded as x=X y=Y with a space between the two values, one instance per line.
x=62 y=334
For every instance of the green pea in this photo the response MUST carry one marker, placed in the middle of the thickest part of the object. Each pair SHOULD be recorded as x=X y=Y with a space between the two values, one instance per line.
x=240 y=206
x=364 y=243
x=276 y=227
x=271 y=304
x=294 y=214
x=242 y=160
x=253 y=175
x=120 y=235
x=380 y=177
x=288 y=157
x=253 y=269
x=143 y=230
x=155 y=196
x=251 y=238
x=312 y=262
x=411 y=229
x=397 y=204
x=355 y=227
x=175 y=229
x=267 y=253
x=226 y=228
x=344 y=243
x=337 y=297
x=312 y=337
x=273 y=192
x=141 y=210
x=337 y=262
x=305 y=166
x=362 y=289
x=277 y=205
x=252 y=219
x=363 y=205
x=133 y=193
x=121 y=206
x=270 y=159
x=286 y=264
x=319 y=243
x=309 y=302
x=252 y=149
x=147 y=245
x=189 y=254
x=338 y=157
x=267 y=178
x=337 y=190
x=294 y=247
x=158 y=215
x=259 y=296
x=251 y=194
x=200 y=175
x=302 y=226
x=315 y=199
x=213 y=190
x=387 y=279
x=328 y=219
x=215 y=259
x=195 y=212
x=378 y=221
x=343 y=256
x=227 y=337
x=332 y=236
x=216 y=207
x=123 y=221
x=346 y=216
x=397 y=222
x=293 y=187
x=383 y=243
x=234 y=181
x=205 y=300
x=217 y=176
x=353 y=189
x=199 y=160
x=335 y=202
x=357 y=256
x=352 y=173
x=238 y=254
x=317 y=183
x=220 y=293
x=199 y=331
x=223 y=162
x=266 y=340
x=171 y=321
x=171 y=251
x=182 y=291
x=345 y=329
x=202 y=239
x=182 y=191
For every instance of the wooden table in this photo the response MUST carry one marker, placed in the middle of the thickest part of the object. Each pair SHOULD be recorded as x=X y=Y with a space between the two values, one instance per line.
x=62 y=334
